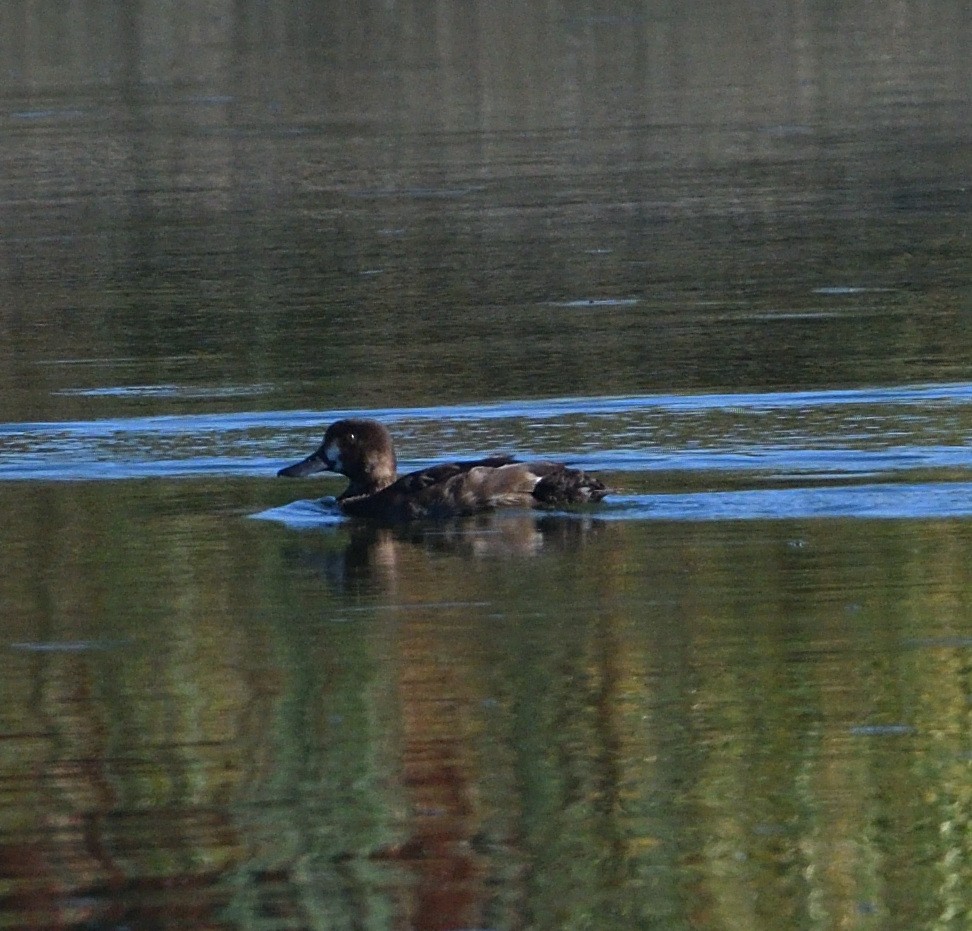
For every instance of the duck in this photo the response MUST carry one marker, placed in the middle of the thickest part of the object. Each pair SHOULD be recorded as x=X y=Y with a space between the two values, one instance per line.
x=364 y=452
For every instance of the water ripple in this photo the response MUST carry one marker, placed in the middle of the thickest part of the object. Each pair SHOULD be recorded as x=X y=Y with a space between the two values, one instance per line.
x=958 y=394
x=913 y=443
x=894 y=501
x=877 y=502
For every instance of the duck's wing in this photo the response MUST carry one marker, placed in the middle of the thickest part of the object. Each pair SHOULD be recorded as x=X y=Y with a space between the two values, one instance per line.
x=500 y=481
x=521 y=484
x=415 y=482
x=452 y=489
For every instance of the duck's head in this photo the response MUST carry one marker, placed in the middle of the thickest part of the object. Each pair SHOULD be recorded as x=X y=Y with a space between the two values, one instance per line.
x=360 y=449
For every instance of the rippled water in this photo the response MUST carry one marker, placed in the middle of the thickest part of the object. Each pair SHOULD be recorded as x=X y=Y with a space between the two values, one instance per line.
x=894 y=452
x=723 y=260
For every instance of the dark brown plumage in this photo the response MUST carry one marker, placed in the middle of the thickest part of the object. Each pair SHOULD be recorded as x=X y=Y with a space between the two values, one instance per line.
x=363 y=451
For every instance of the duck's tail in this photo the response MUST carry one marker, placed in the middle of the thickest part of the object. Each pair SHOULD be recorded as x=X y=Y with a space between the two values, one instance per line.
x=562 y=486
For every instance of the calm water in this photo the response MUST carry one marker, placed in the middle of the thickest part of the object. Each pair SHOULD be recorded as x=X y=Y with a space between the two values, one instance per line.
x=720 y=256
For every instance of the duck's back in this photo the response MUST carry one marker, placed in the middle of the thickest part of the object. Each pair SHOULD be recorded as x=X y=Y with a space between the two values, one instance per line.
x=459 y=488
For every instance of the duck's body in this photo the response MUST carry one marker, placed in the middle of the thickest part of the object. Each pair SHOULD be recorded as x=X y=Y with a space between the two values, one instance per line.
x=363 y=451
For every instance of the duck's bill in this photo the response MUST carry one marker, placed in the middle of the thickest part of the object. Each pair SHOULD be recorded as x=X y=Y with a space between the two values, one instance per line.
x=315 y=462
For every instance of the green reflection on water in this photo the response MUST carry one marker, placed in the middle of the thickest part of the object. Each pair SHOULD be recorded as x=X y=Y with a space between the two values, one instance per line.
x=380 y=218
x=555 y=723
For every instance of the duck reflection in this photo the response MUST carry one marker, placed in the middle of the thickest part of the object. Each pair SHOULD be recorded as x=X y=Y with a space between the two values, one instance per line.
x=356 y=554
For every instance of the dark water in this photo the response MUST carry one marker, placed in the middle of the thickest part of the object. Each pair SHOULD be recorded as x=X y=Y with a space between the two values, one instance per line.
x=720 y=256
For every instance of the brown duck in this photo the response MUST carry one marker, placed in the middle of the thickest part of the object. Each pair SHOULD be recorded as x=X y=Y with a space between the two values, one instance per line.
x=363 y=451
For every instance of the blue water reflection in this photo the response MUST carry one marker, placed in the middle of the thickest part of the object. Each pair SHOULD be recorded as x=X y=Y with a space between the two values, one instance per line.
x=910 y=443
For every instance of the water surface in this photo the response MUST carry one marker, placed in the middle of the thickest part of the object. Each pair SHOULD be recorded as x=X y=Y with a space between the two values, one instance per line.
x=722 y=259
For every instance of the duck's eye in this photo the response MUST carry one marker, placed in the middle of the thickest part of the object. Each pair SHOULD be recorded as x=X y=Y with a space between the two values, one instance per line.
x=351 y=437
